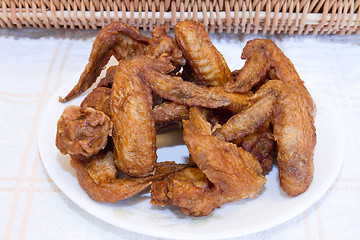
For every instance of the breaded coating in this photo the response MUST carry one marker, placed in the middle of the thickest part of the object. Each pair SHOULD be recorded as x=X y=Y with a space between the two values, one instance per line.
x=116 y=39
x=82 y=131
x=205 y=62
x=97 y=176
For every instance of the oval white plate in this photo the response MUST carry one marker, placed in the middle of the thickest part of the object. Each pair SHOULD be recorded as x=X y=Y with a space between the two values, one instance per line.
x=271 y=208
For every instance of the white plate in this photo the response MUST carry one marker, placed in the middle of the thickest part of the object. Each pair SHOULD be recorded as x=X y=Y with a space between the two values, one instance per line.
x=271 y=208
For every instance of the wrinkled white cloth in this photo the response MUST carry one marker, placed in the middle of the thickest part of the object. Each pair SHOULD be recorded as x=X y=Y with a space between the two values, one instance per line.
x=34 y=63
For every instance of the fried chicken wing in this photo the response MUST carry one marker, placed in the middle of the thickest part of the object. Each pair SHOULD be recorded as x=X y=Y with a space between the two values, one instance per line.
x=266 y=51
x=116 y=39
x=225 y=173
x=261 y=144
x=177 y=90
x=82 y=131
x=97 y=176
x=164 y=48
x=170 y=111
x=205 y=62
x=98 y=99
x=256 y=67
x=262 y=107
x=134 y=127
x=107 y=81
x=293 y=130
x=237 y=101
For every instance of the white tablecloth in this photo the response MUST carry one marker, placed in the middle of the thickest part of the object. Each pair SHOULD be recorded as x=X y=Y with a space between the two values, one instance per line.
x=35 y=62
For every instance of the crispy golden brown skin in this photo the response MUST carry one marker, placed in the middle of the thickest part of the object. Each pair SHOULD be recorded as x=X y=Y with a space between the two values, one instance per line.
x=204 y=61
x=293 y=128
x=97 y=176
x=256 y=67
x=164 y=48
x=261 y=144
x=170 y=111
x=98 y=99
x=225 y=173
x=82 y=131
x=295 y=135
x=116 y=39
x=177 y=90
x=134 y=127
x=107 y=81
x=277 y=64
x=237 y=101
x=262 y=107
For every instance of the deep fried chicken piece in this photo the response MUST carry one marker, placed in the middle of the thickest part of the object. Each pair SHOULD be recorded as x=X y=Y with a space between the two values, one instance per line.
x=163 y=114
x=170 y=111
x=225 y=173
x=107 y=81
x=293 y=130
x=131 y=105
x=82 y=131
x=267 y=52
x=177 y=90
x=263 y=105
x=238 y=101
x=261 y=144
x=134 y=127
x=164 y=48
x=254 y=69
x=97 y=176
x=98 y=99
x=205 y=62
x=116 y=39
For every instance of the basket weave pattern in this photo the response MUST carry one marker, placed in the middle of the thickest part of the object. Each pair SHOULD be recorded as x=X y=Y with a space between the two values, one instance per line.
x=233 y=16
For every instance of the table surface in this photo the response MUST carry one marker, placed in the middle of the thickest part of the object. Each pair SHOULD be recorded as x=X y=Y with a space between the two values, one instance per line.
x=34 y=63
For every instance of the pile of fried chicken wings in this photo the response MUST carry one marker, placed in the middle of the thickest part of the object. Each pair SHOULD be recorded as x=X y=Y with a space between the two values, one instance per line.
x=236 y=124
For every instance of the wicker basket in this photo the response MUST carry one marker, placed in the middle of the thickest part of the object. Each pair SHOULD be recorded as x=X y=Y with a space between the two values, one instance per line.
x=233 y=16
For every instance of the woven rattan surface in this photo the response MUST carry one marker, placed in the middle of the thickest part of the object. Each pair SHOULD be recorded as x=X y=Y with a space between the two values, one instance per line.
x=233 y=16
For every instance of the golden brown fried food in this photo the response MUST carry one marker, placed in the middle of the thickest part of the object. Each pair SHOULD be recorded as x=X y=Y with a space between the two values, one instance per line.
x=188 y=189
x=170 y=111
x=82 y=131
x=238 y=101
x=98 y=99
x=205 y=62
x=164 y=48
x=177 y=90
x=134 y=127
x=279 y=65
x=254 y=69
x=107 y=81
x=293 y=129
x=263 y=105
x=226 y=173
x=261 y=144
x=116 y=39
x=97 y=176
x=295 y=135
